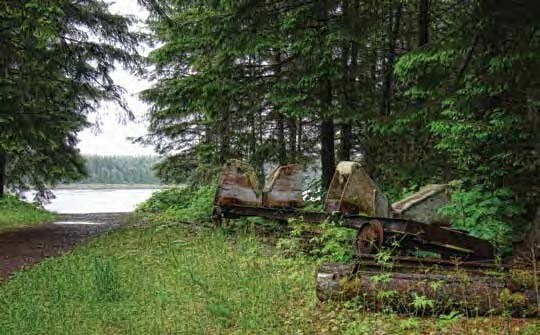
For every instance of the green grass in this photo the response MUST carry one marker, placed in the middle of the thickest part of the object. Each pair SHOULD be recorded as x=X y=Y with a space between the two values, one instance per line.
x=15 y=213
x=173 y=280
x=143 y=281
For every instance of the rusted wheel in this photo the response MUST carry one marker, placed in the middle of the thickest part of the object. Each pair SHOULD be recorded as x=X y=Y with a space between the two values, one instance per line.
x=369 y=238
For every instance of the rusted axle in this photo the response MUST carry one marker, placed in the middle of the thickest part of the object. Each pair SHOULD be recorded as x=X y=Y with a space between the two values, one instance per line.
x=443 y=240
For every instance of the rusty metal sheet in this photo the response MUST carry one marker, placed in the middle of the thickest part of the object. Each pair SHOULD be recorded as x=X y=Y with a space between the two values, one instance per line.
x=284 y=188
x=352 y=191
x=237 y=185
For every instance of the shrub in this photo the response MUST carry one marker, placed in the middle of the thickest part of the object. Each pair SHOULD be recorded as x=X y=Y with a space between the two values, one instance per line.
x=177 y=204
x=325 y=241
x=485 y=214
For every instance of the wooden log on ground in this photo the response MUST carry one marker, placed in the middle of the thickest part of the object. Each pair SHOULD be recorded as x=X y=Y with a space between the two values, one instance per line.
x=424 y=290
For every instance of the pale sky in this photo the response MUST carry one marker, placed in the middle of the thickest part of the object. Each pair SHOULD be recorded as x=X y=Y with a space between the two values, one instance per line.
x=112 y=136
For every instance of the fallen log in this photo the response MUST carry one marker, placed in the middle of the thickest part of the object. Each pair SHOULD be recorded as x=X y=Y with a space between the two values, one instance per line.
x=425 y=290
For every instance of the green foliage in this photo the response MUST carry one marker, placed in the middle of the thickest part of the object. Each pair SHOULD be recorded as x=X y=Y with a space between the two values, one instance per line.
x=179 y=204
x=174 y=280
x=148 y=280
x=106 y=282
x=120 y=170
x=15 y=213
x=55 y=70
x=325 y=241
x=480 y=95
x=257 y=80
x=420 y=303
x=485 y=214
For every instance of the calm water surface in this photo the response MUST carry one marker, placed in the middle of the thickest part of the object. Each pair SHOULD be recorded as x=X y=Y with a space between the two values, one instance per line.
x=97 y=201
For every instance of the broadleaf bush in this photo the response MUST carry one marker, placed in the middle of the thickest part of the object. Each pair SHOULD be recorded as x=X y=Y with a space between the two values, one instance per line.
x=485 y=214
x=179 y=204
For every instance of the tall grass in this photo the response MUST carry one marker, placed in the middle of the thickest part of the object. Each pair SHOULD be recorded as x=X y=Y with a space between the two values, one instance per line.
x=160 y=282
x=15 y=213
x=152 y=280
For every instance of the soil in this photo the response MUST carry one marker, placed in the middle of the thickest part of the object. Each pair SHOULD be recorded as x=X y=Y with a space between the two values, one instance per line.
x=25 y=247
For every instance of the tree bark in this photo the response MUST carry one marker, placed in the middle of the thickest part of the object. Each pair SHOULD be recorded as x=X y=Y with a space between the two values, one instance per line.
x=442 y=291
x=292 y=140
x=282 y=150
x=345 y=142
x=224 y=140
x=328 y=162
x=327 y=131
x=394 y=21
x=299 y=146
x=423 y=22
x=3 y=162
x=280 y=119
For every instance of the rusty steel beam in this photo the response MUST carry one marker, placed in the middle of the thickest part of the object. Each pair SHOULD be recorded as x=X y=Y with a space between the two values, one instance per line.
x=446 y=241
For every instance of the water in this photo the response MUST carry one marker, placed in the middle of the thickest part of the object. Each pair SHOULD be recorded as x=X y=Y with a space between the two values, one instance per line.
x=79 y=201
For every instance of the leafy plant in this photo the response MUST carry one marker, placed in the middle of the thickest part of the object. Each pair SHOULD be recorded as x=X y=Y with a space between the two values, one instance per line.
x=421 y=303
x=324 y=241
x=485 y=214
x=177 y=204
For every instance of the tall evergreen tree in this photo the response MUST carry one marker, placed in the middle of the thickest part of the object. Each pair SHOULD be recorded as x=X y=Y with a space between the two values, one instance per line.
x=55 y=65
x=425 y=91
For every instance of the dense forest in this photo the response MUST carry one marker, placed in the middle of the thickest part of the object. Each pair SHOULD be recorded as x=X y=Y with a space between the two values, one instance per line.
x=414 y=92
x=120 y=170
x=422 y=91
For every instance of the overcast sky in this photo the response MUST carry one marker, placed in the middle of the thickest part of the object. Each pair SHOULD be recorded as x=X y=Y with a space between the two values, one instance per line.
x=112 y=137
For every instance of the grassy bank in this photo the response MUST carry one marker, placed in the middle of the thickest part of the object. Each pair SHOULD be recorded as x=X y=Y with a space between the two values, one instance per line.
x=15 y=214
x=158 y=280
x=162 y=277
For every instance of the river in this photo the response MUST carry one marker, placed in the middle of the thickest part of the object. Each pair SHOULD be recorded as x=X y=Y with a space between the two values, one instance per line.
x=76 y=201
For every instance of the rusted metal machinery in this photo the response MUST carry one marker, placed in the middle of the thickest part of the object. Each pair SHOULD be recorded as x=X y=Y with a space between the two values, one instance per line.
x=464 y=278
x=353 y=201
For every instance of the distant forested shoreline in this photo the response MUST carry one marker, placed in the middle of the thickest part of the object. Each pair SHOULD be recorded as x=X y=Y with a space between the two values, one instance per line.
x=120 y=170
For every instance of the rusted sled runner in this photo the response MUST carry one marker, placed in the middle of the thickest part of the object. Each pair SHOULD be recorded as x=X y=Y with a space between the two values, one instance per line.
x=353 y=201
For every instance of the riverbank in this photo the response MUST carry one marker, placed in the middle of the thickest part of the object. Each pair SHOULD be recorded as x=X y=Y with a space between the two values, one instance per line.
x=149 y=279
x=21 y=248
x=15 y=214
x=159 y=274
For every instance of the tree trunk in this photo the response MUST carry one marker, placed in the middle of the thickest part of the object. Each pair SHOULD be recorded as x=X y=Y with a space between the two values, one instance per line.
x=394 y=21
x=345 y=142
x=224 y=140
x=292 y=140
x=282 y=150
x=440 y=291
x=3 y=162
x=300 y=138
x=328 y=162
x=280 y=119
x=423 y=22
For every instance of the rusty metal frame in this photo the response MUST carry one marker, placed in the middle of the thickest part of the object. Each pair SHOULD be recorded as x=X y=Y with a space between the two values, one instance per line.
x=448 y=242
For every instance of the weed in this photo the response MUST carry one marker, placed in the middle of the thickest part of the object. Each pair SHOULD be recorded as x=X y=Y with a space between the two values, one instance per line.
x=106 y=282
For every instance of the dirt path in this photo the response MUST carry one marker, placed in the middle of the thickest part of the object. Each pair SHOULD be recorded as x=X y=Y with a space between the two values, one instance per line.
x=27 y=246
